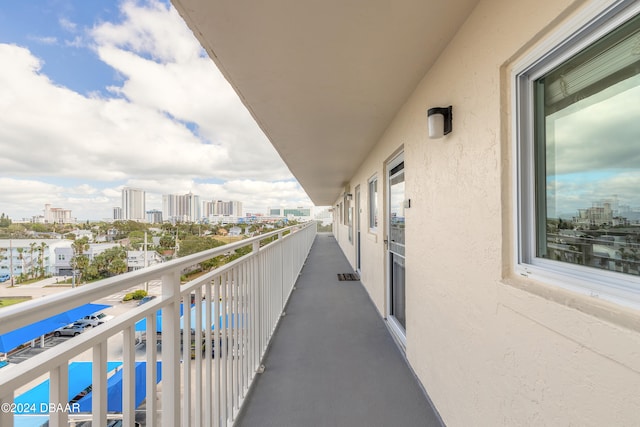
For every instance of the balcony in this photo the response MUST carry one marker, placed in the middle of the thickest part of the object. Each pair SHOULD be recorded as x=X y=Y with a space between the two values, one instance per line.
x=292 y=346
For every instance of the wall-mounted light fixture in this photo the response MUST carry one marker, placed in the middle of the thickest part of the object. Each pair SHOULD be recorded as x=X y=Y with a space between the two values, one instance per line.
x=348 y=196
x=440 y=121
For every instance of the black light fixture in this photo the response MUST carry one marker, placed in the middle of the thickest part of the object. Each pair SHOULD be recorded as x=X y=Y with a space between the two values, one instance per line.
x=440 y=121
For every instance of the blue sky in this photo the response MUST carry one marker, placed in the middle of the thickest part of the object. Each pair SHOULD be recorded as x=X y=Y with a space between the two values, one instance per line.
x=99 y=95
x=49 y=29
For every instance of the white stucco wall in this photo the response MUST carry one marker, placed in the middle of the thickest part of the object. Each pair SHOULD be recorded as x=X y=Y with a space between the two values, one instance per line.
x=489 y=347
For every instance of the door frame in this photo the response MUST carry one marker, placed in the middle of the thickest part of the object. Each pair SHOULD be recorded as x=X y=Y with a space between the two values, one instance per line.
x=394 y=325
x=357 y=231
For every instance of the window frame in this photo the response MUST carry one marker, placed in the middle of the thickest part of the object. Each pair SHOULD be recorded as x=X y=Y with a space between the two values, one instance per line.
x=586 y=27
x=372 y=204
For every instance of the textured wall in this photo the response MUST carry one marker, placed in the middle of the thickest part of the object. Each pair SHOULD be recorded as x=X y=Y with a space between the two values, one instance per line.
x=489 y=351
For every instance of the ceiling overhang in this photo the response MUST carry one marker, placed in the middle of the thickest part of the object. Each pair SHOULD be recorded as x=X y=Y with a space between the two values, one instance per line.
x=324 y=79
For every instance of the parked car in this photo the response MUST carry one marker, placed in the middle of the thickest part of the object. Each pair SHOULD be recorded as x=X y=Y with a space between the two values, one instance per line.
x=96 y=319
x=86 y=323
x=4 y=277
x=71 y=330
x=146 y=299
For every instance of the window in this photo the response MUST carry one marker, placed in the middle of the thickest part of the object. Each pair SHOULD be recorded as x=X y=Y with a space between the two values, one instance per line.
x=579 y=158
x=350 y=222
x=345 y=213
x=373 y=203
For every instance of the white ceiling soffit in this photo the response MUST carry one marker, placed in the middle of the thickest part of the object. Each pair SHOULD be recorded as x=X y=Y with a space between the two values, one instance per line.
x=324 y=79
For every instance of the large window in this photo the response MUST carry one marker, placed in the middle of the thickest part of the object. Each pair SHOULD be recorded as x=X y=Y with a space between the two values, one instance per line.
x=579 y=156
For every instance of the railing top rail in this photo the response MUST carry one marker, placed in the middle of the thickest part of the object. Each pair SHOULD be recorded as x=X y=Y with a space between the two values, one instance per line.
x=19 y=315
x=42 y=363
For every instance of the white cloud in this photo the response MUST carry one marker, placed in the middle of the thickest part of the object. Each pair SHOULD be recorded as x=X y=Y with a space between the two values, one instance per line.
x=49 y=40
x=66 y=24
x=76 y=42
x=153 y=48
x=172 y=125
x=598 y=132
x=50 y=130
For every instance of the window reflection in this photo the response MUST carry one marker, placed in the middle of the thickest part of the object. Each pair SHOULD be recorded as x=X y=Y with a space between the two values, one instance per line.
x=588 y=156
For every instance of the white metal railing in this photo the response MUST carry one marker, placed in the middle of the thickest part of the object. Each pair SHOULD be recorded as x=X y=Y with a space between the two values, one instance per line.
x=243 y=299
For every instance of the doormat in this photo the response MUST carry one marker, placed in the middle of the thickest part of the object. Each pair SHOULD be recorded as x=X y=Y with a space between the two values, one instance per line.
x=348 y=277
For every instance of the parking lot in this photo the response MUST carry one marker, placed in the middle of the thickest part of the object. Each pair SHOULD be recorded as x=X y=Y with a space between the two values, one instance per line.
x=49 y=287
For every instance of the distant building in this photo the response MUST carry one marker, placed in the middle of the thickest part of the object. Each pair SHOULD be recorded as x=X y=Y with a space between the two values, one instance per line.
x=98 y=248
x=62 y=264
x=299 y=213
x=154 y=216
x=63 y=254
x=117 y=213
x=601 y=213
x=57 y=215
x=83 y=233
x=139 y=259
x=26 y=255
x=135 y=259
x=133 y=204
x=222 y=208
x=229 y=219
x=181 y=207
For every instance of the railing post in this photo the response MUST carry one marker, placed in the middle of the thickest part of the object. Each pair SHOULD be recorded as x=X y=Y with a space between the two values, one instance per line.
x=186 y=360
x=59 y=395
x=6 y=417
x=171 y=350
x=282 y=278
x=99 y=381
x=198 y=349
x=216 y=347
x=256 y=306
x=128 y=377
x=152 y=370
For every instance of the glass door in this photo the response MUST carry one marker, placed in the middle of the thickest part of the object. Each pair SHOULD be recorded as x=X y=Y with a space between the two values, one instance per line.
x=395 y=243
x=358 y=257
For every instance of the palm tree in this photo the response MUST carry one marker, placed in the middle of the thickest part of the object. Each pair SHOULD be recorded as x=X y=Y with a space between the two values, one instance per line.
x=22 y=264
x=2 y=254
x=79 y=261
x=43 y=246
x=32 y=249
x=80 y=246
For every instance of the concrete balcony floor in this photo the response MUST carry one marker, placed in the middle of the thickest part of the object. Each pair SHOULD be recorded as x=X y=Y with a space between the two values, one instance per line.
x=332 y=361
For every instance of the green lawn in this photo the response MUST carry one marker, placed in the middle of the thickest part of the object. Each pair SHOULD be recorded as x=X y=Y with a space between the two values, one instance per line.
x=7 y=301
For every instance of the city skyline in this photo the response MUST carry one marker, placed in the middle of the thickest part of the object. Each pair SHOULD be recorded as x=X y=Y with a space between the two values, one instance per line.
x=97 y=98
x=216 y=207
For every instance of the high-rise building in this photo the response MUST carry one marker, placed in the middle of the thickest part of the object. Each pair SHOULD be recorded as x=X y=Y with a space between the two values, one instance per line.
x=154 y=216
x=181 y=207
x=192 y=207
x=219 y=207
x=57 y=215
x=133 y=204
x=117 y=213
x=207 y=208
